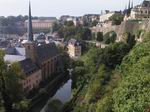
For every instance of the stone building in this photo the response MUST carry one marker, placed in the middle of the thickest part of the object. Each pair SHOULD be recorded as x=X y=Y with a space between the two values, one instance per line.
x=140 y=12
x=74 y=48
x=32 y=75
x=41 y=24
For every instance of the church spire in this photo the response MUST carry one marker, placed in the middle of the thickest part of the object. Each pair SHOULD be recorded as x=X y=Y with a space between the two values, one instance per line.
x=132 y=4
x=129 y=5
x=125 y=7
x=30 y=31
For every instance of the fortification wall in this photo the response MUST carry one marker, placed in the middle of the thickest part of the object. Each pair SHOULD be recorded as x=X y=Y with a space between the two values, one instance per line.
x=126 y=26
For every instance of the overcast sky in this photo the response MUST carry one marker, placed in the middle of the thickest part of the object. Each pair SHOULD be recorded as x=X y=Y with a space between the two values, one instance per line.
x=60 y=7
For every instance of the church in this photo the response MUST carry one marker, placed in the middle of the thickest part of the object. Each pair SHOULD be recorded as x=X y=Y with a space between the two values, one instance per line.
x=139 y=12
x=38 y=62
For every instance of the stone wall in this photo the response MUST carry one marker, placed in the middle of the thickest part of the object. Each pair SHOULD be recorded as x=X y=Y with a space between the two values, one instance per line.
x=126 y=26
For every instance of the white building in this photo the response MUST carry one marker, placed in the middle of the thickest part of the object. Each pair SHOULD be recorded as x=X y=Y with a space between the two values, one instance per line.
x=74 y=48
x=41 y=24
x=105 y=17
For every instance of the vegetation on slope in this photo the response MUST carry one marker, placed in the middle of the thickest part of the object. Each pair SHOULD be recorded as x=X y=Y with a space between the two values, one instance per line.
x=116 y=81
x=134 y=90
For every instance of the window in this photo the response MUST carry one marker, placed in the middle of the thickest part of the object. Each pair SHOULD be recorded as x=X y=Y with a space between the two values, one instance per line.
x=146 y=12
x=141 y=12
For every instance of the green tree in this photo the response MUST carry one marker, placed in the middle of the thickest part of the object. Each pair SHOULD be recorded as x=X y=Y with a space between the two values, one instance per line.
x=113 y=55
x=129 y=39
x=23 y=105
x=110 y=37
x=139 y=33
x=86 y=34
x=53 y=106
x=94 y=23
x=116 y=19
x=11 y=90
x=100 y=36
x=105 y=104
x=56 y=26
x=133 y=92
x=69 y=23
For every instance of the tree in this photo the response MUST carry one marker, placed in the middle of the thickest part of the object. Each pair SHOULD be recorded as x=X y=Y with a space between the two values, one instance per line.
x=116 y=19
x=56 y=26
x=69 y=23
x=105 y=104
x=113 y=55
x=133 y=92
x=129 y=39
x=110 y=37
x=94 y=23
x=139 y=33
x=10 y=87
x=100 y=36
x=53 y=106
x=86 y=34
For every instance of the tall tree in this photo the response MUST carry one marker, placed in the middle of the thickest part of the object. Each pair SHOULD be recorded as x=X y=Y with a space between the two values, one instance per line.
x=9 y=83
x=100 y=36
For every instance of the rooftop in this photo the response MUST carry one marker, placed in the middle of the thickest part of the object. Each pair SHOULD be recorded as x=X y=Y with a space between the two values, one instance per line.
x=13 y=58
x=46 y=51
x=28 y=66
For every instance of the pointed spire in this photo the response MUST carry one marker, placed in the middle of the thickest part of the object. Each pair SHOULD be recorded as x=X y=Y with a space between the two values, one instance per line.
x=101 y=12
x=30 y=31
x=129 y=5
x=125 y=7
x=125 y=10
x=132 y=4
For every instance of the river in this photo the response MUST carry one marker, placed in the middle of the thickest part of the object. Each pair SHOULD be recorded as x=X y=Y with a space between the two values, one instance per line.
x=63 y=93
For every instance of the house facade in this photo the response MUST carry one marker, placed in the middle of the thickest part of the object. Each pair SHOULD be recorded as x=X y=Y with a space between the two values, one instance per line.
x=74 y=48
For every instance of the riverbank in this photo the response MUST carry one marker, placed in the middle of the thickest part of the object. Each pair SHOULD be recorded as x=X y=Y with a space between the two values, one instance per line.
x=39 y=101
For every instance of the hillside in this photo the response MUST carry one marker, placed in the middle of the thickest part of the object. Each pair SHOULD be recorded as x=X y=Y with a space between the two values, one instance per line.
x=115 y=79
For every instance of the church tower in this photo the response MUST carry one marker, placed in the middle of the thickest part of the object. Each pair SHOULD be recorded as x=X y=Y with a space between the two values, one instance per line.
x=30 y=45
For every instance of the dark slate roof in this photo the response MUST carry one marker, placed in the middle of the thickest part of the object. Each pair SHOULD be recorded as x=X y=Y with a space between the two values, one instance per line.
x=28 y=66
x=46 y=51
x=10 y=50
x=4 y=44
x=15 y=51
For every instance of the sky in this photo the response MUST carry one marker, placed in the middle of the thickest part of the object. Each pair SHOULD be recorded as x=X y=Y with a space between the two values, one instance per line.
x=56 y=8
